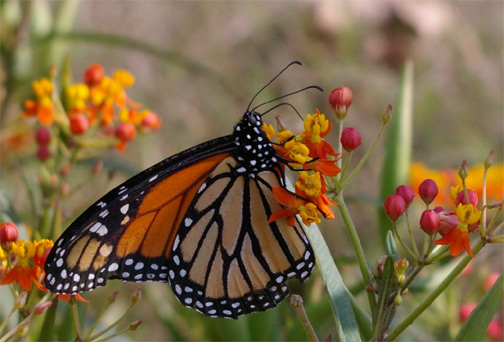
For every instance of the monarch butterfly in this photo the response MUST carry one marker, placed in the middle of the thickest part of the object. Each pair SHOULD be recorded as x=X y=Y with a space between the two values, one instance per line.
x=198 y=220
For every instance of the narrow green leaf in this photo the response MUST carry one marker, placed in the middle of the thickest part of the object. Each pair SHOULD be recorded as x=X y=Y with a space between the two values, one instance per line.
x=346 y=324
x=390 y=246
x=474 y=329
x=399 y=144
x=336 y=290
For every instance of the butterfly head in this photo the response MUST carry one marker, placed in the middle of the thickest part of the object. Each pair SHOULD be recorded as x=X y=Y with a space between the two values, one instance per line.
x=255 y=152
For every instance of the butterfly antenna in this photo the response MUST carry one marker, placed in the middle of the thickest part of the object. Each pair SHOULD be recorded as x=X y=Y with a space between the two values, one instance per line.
x=289 y=94
x=280 y=105
x=273 y=79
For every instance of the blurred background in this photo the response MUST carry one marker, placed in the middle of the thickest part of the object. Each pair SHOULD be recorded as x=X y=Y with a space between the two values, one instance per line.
x=197 y=65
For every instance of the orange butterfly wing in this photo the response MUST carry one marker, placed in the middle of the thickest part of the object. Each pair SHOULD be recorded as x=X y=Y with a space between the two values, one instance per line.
x=128 y=233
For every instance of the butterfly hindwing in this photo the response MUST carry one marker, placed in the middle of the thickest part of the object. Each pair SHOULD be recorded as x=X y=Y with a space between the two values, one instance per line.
x=227 y=260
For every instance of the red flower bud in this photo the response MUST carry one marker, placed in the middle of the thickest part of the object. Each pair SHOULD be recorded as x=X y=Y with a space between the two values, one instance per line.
x=495 y=330
x=350 y=139
x=430 y=221
x=94 y=74
x=428 y=190
x=465 y=310
x=136 y=295
x=151 y=121
x=125 y=131
x=41 y=308
x=79 y=124
x=394 y=207
x=340 y=99
x=490 y=280
x=43 y=136
x=43 y=153
x=461 y=198
x=406 y=193
x=8 y=233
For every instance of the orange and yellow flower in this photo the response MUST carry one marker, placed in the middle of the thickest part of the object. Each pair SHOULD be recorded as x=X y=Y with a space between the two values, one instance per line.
x=316 y=127
x=458 y=237
x=294 y=205
x=42 y=107
x=313 y=188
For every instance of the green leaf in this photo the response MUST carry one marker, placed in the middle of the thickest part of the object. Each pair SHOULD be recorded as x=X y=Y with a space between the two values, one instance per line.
x=399 y=144
x=336 y=290
x=390 y=246
x=474 y=329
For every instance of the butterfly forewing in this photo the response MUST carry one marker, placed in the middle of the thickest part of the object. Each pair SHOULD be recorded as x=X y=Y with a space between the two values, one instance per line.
x=128 y=233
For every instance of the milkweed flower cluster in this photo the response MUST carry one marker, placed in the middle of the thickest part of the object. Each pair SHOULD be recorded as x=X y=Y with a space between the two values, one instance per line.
x=314 y=157
x=83 y=113
x=455 y=222
x=22 y=262
x=21 y=267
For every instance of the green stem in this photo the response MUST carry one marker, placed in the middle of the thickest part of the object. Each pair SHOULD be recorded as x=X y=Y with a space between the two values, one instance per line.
x=359 y=252
x=113 y=325
x=428 y=301
x=296 y=301
x=339 y=149
x=406 y=248
x=345 y=166
x=75 y=318
x=412 y=239
x=345 y=183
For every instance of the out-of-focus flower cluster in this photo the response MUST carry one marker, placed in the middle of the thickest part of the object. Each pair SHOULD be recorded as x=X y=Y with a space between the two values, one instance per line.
x=455 y=221
x=83 y=113
x=314 y=157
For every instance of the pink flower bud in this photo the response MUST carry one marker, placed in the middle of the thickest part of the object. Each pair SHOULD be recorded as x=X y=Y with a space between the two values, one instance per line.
x=394 y=207
x=125 y=131
x=79 y=124
x=133 y=326
x=41 y=308
x=136 y=295
x=428 y=190
x=461 y=198
x=430 y=221
x=465 y=310
x=151 y=121
x=340 y=99
x=43 y=136
x=112 y=297
x=43 y=153
x=406 y=193
x=490 y=280
x=8 y=233
x=350 y=139
x=495 y=330
x=94 y=74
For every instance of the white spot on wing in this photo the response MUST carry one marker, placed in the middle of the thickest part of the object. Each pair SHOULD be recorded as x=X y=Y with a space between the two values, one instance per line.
x=124 y=209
